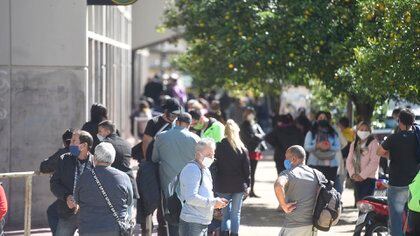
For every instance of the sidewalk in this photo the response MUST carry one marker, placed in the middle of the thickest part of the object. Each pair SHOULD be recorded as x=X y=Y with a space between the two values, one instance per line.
x=259 y=215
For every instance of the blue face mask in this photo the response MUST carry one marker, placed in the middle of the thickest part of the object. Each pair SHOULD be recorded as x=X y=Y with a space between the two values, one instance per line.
x=74 y=150
x=287 y=164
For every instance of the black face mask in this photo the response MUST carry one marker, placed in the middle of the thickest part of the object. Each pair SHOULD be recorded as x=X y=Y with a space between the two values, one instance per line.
x=323 y=123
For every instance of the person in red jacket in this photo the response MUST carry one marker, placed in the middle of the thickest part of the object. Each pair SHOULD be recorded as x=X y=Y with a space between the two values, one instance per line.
x=3 y=208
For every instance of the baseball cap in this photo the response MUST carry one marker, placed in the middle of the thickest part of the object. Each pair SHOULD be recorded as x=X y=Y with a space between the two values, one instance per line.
x=172 y=105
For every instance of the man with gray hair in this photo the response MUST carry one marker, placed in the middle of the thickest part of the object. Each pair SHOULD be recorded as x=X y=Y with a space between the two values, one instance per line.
x=196 y=191
x=95 y=217
x=296 y=190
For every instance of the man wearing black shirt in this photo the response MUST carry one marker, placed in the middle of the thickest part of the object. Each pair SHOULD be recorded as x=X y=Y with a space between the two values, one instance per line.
x=106 y=133
x=400 y=148
x=144 y=150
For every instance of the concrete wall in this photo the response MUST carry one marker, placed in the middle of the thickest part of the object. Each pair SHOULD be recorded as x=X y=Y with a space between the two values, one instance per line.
x=147 y=17
x=42 y=90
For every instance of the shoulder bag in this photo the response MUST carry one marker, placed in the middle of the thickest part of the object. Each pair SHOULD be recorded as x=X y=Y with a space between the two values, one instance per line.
x=126 y=226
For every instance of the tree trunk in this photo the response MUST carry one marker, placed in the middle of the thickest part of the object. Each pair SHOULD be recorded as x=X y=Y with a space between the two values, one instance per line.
x=364 y=110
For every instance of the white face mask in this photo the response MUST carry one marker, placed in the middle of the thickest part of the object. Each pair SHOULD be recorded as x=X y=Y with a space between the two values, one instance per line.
x=363 y=134
x=100 y=137
x=207 y=161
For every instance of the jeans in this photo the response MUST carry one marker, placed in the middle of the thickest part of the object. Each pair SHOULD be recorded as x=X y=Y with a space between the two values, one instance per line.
x=232 y=212
x=338 y=185
x=67 y=226
x=192 y=229
x=364 y=188
x=2 y=221
x=52 y=216
x=397 y=198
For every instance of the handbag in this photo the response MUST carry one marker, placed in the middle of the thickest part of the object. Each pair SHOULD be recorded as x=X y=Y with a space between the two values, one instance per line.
x=126 y=226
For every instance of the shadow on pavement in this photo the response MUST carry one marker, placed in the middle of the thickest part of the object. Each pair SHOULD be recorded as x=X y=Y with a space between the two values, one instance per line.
x=260 y=215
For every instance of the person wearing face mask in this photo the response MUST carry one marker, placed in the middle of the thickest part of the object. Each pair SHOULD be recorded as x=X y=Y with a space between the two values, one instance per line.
x=106 y=133
x=233 y=176
x=65 y=179
x=296 y=190
x=207 y=127
x=148 y=184
x=322 y=143
x=196 y=192
x=400 y=148
x=253 y=137
x=362 y=162
x=173 y=149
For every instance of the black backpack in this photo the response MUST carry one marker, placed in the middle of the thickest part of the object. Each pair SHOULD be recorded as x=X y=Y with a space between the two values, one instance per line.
x=328 y=205
x=173 y=203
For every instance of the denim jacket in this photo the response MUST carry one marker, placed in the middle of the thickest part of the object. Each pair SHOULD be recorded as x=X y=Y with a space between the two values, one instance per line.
x=310 y=147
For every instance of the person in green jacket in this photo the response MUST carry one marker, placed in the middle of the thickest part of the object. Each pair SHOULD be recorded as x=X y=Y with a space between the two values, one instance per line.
x=414 y=204
x=207 y=127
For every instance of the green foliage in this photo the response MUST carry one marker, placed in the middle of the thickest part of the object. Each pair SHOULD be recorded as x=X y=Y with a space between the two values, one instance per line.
x=324 y=100
x=365 y=49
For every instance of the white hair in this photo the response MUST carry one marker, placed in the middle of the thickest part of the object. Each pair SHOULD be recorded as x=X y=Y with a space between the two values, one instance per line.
x=105 y=152
x=203 y=143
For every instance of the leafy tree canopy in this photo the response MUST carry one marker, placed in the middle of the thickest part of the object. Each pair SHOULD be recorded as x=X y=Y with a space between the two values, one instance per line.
x=366 y=49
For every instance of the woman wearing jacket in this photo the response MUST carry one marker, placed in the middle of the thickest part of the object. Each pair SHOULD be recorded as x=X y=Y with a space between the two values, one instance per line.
x=362 y=162
x=233 y=176
x=322 y=143
x=253 y=137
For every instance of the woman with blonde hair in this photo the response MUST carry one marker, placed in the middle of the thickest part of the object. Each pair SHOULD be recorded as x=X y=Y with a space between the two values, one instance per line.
x=233 y=176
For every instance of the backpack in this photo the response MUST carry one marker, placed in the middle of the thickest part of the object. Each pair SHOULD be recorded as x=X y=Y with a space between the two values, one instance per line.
x=173 y=203
x=328 y=205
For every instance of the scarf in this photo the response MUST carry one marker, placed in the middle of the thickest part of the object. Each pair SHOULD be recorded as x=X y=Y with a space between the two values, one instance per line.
x=359 y=151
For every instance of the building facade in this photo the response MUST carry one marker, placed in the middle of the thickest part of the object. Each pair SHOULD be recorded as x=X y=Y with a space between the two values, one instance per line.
x=57 y=57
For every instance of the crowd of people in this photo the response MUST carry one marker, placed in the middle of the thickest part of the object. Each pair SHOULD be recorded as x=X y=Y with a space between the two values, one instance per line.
x=211 y=147
x=97 y=191
x=214 y=159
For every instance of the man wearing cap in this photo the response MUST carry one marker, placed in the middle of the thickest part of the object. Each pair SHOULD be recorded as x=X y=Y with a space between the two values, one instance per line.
x=143 y=151
x=159 y=124
x=173 y=149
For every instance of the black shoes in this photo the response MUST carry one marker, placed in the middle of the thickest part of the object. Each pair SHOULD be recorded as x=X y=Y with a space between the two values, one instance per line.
x=253 y=195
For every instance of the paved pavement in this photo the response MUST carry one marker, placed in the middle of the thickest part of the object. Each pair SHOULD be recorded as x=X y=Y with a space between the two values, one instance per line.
x=259 y=215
